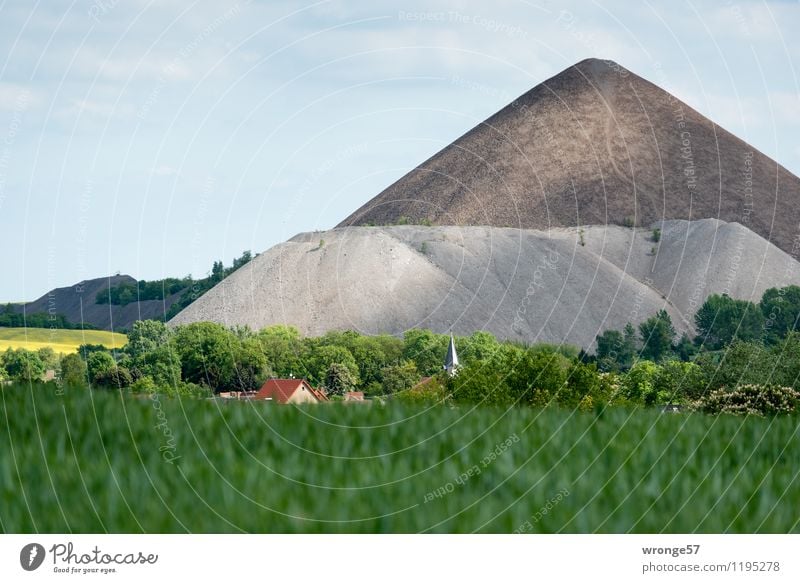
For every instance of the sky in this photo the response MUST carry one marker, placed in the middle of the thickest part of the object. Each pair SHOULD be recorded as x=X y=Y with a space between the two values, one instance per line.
x=154 y=137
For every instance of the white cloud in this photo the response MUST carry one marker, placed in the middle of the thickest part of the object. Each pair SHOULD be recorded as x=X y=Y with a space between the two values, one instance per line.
x=18 y=97
x=94 y=108
x=165 y=170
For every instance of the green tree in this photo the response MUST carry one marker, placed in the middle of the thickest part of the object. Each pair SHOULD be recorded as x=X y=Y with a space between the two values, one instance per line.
x=678 y=382
x=207 y=354
x=781 y=311
x=400 y=377
x=685 y=349
x=786 y=358
x=722 y=319
x=638 y=384
x=615 y=350
x=100 y=363
x=537 y=376
x=479 y=346
x=583 y=387
x=86 y=350
x=426 y=349
x=339 y=379
x=146 y=336
x=49 y=358
x=740 y=363
x=161 y=364
x=657 y=336
x=73 y=371
x=23 y=365
x=250 y=365
x=284 y=350
x=118 y=377
x=217 y=272
x=371 y=358
x=322 y=357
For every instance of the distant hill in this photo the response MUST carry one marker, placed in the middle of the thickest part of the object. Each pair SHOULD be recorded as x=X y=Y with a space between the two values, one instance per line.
x=78 y=304
x=594 y=145
x=561 y=285
x=116 y=302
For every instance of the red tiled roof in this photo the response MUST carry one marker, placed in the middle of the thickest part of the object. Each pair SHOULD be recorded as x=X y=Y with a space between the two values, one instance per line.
x=281 y=390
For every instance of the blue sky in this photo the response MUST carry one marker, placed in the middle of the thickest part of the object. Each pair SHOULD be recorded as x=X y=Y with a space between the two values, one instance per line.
x=152 y=138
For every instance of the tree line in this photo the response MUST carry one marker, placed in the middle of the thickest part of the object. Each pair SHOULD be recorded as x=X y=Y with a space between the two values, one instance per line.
x=728 y=366
x=125 y=293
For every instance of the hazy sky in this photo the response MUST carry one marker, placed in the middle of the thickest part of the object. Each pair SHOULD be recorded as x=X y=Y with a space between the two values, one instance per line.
x=153 y=137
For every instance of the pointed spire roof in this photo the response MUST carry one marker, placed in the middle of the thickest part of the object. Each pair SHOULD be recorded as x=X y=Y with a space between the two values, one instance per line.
x=451 y=360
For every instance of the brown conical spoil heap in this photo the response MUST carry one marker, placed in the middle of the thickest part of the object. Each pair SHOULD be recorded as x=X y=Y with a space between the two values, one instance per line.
x=595 y=144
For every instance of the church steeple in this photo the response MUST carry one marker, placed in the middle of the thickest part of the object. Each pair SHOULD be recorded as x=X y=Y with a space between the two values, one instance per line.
x=451 y=360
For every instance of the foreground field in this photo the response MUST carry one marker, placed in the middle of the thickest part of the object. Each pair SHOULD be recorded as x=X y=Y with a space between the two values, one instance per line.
x=61 y=341
x=96 y=462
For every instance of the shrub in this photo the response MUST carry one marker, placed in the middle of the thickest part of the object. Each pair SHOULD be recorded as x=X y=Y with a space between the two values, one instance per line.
x=399 y=377
x=480 y=383
x=676 y=382
x=637 y=385
x=538 y=376
x=23 y=365
x=432 y=392
x=740 y=364
x=118 y=377
x=751 y=400
x=656 y=235
x=72 y=371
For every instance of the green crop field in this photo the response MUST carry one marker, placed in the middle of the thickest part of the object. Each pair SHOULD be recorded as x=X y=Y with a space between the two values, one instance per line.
x=91 y=461
x=61 y=341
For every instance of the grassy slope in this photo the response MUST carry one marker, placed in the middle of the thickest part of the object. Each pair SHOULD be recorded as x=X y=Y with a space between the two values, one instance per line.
x=337 y=468
x=59 y=340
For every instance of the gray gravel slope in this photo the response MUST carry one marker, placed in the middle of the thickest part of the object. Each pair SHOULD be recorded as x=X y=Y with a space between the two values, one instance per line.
x=562 y=285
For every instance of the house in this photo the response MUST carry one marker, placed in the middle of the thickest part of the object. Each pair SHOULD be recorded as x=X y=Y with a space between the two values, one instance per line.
x=237 y=395
x=354 y=396
x=292 y=391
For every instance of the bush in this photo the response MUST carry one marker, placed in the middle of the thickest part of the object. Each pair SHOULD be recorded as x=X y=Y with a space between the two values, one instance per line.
x=637 y=385
x=480 y=383
x=23 y=365
x=400 y=377
x=433 y=392
x=118 y=377
x=678 y=382
x=72 y=371
x=751 y=400
x=740 y=364
x=538 y=376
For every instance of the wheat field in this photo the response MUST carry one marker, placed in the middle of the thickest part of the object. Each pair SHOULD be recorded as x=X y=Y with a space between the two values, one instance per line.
x=61 y=341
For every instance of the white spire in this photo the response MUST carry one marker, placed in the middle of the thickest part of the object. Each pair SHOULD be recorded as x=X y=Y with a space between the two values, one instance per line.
x=451 y=360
